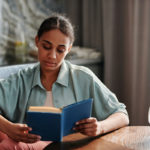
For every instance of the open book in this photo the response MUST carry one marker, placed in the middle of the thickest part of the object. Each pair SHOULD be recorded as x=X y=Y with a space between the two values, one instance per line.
x=54 y=123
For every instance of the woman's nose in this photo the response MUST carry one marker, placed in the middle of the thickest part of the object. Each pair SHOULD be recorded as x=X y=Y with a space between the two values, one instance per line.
x=52 y=53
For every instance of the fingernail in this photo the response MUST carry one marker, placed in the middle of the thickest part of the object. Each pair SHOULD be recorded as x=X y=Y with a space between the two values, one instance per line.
x=25 y=125
x=77 y=123
x=30 y=129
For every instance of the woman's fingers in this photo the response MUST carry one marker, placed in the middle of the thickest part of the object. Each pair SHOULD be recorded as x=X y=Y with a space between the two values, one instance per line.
x=88 y=120
x=24 y=128
x=90 y=127
x=30 y=138
x=21 y=133
x=27 y=138
x=86 y=123
x=85 y=126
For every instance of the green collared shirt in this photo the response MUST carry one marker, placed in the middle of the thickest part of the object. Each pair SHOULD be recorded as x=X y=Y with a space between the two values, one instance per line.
x=74 y=83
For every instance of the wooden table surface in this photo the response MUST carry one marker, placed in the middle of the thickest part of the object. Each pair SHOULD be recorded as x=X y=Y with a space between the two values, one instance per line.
x=127 y=138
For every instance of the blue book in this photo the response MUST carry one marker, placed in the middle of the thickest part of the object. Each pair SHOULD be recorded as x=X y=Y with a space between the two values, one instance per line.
x=54 y=123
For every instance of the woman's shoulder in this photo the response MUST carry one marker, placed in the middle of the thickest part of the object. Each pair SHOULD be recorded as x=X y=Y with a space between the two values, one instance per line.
x=29 y=69
x=26 y=71
x=23 y=75
x=78 y=69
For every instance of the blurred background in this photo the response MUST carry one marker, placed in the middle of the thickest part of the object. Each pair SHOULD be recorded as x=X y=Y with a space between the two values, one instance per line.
x=112 y=39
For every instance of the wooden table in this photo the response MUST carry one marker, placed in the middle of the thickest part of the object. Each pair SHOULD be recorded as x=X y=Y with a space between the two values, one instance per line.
x=127 y=138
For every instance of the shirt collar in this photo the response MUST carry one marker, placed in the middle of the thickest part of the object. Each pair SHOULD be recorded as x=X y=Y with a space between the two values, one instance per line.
x=63 y=76
x=37 y=79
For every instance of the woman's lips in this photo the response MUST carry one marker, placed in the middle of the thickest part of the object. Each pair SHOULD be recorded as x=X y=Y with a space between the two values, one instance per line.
x=50 y=64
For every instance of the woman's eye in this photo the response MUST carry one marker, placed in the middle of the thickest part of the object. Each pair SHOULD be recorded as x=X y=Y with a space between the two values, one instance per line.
x=60 y=50
x=46 y=47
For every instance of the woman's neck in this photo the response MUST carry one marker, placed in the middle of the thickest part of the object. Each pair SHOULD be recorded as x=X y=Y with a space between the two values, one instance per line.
x=48 y=78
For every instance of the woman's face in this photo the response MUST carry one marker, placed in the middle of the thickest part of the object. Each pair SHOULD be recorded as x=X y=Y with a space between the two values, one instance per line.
x=52 y=46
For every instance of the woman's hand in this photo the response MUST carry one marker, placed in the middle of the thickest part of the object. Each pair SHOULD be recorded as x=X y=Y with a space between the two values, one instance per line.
x=90 y=127
x=20 y=133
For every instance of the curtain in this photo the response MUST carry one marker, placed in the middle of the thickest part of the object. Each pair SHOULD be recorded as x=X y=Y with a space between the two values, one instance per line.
x=86 y=16
x=126 y=36
x=120 y=29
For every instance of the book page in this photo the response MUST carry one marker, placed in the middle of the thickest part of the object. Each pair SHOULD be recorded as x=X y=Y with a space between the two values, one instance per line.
x=44 y=109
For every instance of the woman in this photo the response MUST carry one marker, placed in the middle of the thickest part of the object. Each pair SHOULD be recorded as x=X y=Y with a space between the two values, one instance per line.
x=55 y=82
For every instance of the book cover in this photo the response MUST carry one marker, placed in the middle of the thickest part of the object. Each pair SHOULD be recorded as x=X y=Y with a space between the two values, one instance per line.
x=53 y=124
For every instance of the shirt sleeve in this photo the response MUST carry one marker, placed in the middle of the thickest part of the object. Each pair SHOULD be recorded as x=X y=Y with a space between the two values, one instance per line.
x=19 y=91
x=9 y=92
x=105 y=102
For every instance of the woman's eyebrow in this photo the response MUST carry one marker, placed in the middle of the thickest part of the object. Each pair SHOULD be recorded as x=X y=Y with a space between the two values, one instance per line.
x=47 y=42
x=51 y=43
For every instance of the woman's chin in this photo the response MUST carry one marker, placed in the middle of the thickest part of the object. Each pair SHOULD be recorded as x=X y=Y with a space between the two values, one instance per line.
x=50 y=68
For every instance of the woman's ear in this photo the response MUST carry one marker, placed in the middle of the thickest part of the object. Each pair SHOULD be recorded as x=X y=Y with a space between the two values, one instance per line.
x=36 y=41
x=69 y=48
